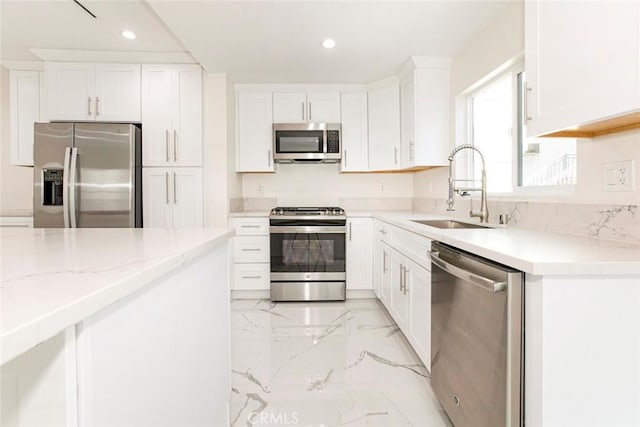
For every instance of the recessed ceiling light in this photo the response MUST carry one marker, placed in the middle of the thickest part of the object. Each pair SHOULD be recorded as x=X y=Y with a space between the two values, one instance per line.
x=329 y=43
x=128 y=34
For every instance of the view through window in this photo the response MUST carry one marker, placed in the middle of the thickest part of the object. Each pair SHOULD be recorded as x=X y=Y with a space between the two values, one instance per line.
x=513 y=160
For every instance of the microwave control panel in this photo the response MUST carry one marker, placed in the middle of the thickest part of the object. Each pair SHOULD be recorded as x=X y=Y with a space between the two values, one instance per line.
x=333 y=141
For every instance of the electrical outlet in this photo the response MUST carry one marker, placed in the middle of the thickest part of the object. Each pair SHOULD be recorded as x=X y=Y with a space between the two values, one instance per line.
x=618 y=176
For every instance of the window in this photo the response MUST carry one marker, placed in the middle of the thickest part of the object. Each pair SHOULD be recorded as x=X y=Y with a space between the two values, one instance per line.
x=497 y=126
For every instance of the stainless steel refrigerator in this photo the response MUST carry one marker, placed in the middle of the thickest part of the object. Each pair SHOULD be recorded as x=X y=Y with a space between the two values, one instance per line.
x=87 y=175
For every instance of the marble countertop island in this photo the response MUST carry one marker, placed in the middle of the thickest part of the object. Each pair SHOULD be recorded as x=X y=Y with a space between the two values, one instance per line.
x=55 y=278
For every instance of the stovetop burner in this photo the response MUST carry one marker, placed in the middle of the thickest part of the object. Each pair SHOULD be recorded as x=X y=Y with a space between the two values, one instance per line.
x=329 y=211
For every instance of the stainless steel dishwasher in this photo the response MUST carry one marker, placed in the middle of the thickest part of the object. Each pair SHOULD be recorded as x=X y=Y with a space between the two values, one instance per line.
x=476 y=338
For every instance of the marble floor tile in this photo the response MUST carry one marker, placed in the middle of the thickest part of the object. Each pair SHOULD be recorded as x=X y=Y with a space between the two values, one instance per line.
x=326 y=364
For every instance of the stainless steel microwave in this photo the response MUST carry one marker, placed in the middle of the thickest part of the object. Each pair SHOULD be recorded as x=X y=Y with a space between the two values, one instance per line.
x=307 y=142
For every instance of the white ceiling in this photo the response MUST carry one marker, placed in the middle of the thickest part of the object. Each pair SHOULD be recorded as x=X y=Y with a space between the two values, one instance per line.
x=279 y=41
x=253 y=41
x=61 y=24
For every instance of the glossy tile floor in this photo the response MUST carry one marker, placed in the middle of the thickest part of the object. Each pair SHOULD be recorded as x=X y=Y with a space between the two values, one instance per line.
x=326 y=364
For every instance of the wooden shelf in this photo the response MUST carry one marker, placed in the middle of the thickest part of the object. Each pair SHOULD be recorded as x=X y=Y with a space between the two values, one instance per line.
x=604 y=127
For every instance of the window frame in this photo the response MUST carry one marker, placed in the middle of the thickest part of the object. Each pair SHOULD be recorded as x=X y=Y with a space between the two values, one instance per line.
x=464 y=112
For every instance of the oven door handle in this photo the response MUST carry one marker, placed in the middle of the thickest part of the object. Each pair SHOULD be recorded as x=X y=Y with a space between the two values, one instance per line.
x=309 y=229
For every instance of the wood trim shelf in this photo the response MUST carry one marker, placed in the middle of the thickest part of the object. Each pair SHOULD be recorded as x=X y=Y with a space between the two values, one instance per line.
x=604 y=127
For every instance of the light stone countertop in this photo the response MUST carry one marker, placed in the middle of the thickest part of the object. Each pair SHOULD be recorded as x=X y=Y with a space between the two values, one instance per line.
x=55 y=278
x=534 y=252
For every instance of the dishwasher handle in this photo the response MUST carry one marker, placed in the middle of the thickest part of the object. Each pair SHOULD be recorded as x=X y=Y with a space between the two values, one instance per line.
x=474 y=279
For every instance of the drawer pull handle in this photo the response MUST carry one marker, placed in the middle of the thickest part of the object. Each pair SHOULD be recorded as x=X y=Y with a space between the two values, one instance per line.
x=249 y=226
x=251 y=249
x=252 y=277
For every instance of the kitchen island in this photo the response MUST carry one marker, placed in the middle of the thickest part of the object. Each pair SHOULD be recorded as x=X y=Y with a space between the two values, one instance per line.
x=114 y=327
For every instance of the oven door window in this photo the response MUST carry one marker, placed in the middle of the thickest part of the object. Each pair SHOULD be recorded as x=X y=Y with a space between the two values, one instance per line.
x=307 y=252
x=308 y=141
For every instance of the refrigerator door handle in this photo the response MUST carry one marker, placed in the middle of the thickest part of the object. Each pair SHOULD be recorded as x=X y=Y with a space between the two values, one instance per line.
x=72 y=185
x=65 y=186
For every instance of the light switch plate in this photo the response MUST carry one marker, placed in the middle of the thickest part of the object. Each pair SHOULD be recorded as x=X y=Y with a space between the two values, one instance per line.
x=618 y=176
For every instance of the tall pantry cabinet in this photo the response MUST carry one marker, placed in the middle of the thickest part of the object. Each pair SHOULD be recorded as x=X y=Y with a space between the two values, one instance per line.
x=172 y=146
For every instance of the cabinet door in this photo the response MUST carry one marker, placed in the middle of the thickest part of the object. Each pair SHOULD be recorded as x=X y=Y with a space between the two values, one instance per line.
x=157 y=205
x=419 y=292
x=157 y=108
x=580 y=74
x=355 y=150
x=24 y=111
x=359 y=253
x=399 y=298
x=385 y=282
x=70 y=91
x=117 y=92
x=384 y=128
x=186 y=134
x=323 y=107
x=254 y=132
x=407 y=114
x=290 y=108
x=187 y=197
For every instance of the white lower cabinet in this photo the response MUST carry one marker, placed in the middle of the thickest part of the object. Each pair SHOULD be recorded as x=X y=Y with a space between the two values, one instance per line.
x=172 y=197
x=402 y=280
x=359 y=253
x=419 y=284
x=251 y=254
x=399 y=297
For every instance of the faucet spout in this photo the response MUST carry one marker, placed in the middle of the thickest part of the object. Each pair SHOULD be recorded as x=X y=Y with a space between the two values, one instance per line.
x=483 y=213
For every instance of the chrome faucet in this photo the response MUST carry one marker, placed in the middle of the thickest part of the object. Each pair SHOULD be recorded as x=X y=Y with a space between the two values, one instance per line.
x=483 y=213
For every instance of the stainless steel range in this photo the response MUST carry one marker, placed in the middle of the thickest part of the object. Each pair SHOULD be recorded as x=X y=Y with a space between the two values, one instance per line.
x=308 y=254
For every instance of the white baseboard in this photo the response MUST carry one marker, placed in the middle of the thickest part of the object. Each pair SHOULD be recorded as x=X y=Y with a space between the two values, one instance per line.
x=265 y=294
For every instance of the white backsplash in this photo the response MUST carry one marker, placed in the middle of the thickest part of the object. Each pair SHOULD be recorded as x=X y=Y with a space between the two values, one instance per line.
x=614 y=222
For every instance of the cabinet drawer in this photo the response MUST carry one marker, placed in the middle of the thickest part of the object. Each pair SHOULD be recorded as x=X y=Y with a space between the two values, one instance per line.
x=251 y=226
x=251 y=277
x=251 y=249
x=382 y=231
x=412 y=245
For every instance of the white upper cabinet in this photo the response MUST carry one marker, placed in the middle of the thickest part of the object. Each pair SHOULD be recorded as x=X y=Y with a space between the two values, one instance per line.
x=254 y=132
x=117 y=92
x=83 y=91
x=323 y=107
x=425 y=112
x=319 y=107
x=384 y=127
x=24 y=90
x=172 y=115
x=354 y=138
x=582 y=62
x=289 y=108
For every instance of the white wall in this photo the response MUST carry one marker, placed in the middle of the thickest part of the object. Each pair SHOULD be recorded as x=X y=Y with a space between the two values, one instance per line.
x=220 y=180
x=16 y=182
x=295 y=184
x=494 y=47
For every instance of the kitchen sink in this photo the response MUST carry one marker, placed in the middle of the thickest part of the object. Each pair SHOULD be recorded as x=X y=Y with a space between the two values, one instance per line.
x=447 y=223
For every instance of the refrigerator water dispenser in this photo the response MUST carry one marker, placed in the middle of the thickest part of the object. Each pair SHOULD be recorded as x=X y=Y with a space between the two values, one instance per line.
x=52 y=180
